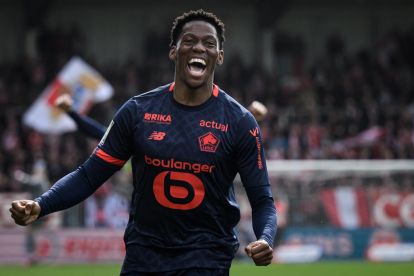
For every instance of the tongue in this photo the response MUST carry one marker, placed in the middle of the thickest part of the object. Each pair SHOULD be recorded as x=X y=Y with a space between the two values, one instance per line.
x=195 y=70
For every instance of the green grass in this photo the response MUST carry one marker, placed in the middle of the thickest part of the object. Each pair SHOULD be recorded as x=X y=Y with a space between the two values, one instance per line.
x=238 y=269
x=327 y=268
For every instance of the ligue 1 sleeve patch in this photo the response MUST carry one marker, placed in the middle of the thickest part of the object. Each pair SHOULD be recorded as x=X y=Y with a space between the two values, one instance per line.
x=208 y=142
x=106 y=133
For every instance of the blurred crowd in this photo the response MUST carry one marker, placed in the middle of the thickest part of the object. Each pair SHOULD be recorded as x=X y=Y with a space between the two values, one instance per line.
x=342 y=105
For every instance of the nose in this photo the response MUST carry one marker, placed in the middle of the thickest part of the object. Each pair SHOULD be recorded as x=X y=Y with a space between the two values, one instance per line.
x=199 y=47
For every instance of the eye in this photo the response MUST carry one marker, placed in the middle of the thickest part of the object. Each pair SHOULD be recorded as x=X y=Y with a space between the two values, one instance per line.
x=188 y=41
x=211 y=44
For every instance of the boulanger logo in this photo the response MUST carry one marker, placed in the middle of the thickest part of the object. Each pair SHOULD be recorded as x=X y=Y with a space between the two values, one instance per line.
x=178 y=190
x=208 y=142
x=179 y=165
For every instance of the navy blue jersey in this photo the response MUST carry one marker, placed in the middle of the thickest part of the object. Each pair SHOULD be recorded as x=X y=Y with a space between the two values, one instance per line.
x=184 y=162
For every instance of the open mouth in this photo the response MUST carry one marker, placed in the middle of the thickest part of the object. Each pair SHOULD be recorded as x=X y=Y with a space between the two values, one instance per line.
x=197 y=66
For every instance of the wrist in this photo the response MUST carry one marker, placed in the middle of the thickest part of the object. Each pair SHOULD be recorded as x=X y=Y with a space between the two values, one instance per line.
x=39 y=204
x=266 y=240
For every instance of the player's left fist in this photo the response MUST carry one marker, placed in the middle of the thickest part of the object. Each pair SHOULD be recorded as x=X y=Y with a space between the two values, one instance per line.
x=260 y=252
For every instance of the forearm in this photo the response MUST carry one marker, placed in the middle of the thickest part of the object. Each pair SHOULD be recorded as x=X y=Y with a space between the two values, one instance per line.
x=76 y=186
x=263 y=213
x=88 y=126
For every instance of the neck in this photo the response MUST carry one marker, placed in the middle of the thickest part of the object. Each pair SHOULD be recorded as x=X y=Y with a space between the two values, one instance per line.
x=190 y=96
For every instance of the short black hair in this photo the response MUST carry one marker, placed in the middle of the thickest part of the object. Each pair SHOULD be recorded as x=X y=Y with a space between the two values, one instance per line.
x=202 y=15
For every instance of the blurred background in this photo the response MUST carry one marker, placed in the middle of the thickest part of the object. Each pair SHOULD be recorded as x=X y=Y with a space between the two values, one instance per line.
x=337 y=78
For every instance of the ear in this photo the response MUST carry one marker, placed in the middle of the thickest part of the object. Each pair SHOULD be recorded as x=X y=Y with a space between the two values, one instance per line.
x=220 y=58
x=173 y=53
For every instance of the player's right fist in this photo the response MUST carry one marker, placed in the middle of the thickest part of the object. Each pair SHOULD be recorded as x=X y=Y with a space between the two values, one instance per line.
x=24 y=212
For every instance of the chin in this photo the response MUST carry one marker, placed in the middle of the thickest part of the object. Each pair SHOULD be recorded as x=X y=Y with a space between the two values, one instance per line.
x=194 y=84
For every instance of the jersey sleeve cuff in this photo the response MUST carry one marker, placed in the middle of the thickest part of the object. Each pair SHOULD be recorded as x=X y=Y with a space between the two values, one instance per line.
x=42 y=207
x=269 y=240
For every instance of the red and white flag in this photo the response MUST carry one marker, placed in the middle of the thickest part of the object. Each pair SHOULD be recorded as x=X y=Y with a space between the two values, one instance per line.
x=346 y=207
x=86 y=87
x=366 y=137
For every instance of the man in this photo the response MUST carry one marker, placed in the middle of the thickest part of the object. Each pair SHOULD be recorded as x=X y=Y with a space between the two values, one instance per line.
x=85 y=124
x=187 y=141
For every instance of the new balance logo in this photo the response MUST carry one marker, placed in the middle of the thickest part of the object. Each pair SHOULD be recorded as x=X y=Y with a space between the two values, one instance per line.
x=157 y=136
x=157 y=118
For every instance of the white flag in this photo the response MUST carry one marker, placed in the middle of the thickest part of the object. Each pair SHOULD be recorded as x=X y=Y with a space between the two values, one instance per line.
x=85 y=85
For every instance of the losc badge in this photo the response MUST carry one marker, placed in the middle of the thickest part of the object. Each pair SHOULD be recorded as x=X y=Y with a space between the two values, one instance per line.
x=208 y=142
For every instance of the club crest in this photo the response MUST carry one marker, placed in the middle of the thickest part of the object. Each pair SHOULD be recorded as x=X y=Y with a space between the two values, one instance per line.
x=208 y=142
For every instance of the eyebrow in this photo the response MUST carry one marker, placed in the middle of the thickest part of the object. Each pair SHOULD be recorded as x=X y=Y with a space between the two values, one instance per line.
x=204 y=37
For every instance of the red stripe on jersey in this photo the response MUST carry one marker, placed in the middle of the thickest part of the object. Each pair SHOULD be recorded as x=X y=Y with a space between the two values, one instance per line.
x=215 y=90
x=171 y=87
x=108 y=158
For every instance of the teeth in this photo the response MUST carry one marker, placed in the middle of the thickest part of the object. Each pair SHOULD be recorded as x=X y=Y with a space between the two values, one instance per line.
x=198 y=60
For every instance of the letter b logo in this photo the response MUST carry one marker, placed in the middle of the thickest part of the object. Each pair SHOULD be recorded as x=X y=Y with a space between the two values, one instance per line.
x=181 y=190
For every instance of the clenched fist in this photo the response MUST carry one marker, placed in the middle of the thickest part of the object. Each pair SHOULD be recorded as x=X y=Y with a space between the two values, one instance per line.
x=258 y=110
x=260 y=252
x=24 y=211
x=64 y=102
